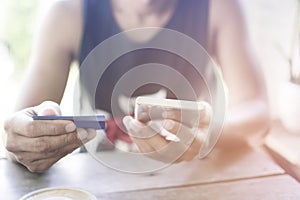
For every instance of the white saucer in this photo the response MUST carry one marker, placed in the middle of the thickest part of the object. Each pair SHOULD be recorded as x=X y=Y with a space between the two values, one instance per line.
x=59 y=193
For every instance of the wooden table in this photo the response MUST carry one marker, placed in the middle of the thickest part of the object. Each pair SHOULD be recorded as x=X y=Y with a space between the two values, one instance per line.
x=285 y=148
x=226 y=174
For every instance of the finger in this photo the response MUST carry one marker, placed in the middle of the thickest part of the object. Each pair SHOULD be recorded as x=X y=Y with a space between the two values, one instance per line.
x=43 y=164
x=187 y=117
x=192 y=137
x=147 y=113
x=197 y=144
x=190 y=117
x=157 y=126
x=184 y=133
x=47 y=108
x=157 y=142
x=170 y=153
x=137 y=129
x=143 y=146
x=187 y=156
x=27 y=158
x=178 y=152
x=24 y=125
x=140 y=131
x=158 y=148
x=205 y=117
x=193 y=150
x=159 y=155
x=45 y=144
x=191 y=141
x=86 y=134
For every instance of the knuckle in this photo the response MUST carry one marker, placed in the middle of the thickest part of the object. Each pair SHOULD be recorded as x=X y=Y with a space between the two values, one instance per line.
x=72 y=139
x=31 y=168
x=10 y=147
x=38 y=167
x=22 y=159
x=9 y=144
x=9 y=122
x=78 y=142
x=34 y=168
x=7 y=125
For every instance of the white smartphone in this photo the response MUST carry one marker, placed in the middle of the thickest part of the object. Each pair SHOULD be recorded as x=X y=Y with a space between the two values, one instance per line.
x=188 y=112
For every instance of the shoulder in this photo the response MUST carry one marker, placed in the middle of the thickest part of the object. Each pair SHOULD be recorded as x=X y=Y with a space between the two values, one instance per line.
x=226 y=18
x=65 y=8
x=63 y=22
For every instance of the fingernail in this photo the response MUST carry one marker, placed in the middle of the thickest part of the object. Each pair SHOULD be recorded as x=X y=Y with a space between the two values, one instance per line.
x=168 y=124
x=173 y=138
x=82 y=134
x=70 y=127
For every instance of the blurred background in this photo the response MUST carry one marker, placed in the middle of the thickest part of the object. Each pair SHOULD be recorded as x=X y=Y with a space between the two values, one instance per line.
x=272 y=25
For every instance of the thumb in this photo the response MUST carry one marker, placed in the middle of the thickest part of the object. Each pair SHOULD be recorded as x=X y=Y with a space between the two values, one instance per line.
x=48 y=108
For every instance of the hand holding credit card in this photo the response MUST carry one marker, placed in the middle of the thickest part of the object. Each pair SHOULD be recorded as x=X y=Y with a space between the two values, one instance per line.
x=95 y=122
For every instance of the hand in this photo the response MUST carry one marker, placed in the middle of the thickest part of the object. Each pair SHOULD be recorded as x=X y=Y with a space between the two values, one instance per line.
x=156 y=146
x=38 y=144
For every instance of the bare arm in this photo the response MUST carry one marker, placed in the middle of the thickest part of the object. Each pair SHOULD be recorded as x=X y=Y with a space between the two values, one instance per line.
x=39 y=144
x=56 y=44
x=248 y=108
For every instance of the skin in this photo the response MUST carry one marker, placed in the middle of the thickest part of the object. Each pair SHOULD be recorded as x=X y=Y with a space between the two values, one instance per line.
x=39 y=144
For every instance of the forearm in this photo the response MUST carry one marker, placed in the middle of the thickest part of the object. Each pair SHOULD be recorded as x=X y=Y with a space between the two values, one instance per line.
x=244 y=123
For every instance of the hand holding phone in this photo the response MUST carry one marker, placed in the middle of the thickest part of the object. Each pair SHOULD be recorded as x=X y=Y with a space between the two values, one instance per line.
x=168 y=130
x=154 y=111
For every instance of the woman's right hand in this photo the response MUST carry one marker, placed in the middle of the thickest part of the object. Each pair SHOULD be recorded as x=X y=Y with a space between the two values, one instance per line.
x=38 y=144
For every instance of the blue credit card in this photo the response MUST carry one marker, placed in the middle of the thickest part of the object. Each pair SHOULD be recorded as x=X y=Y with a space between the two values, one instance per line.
x=95 y=122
